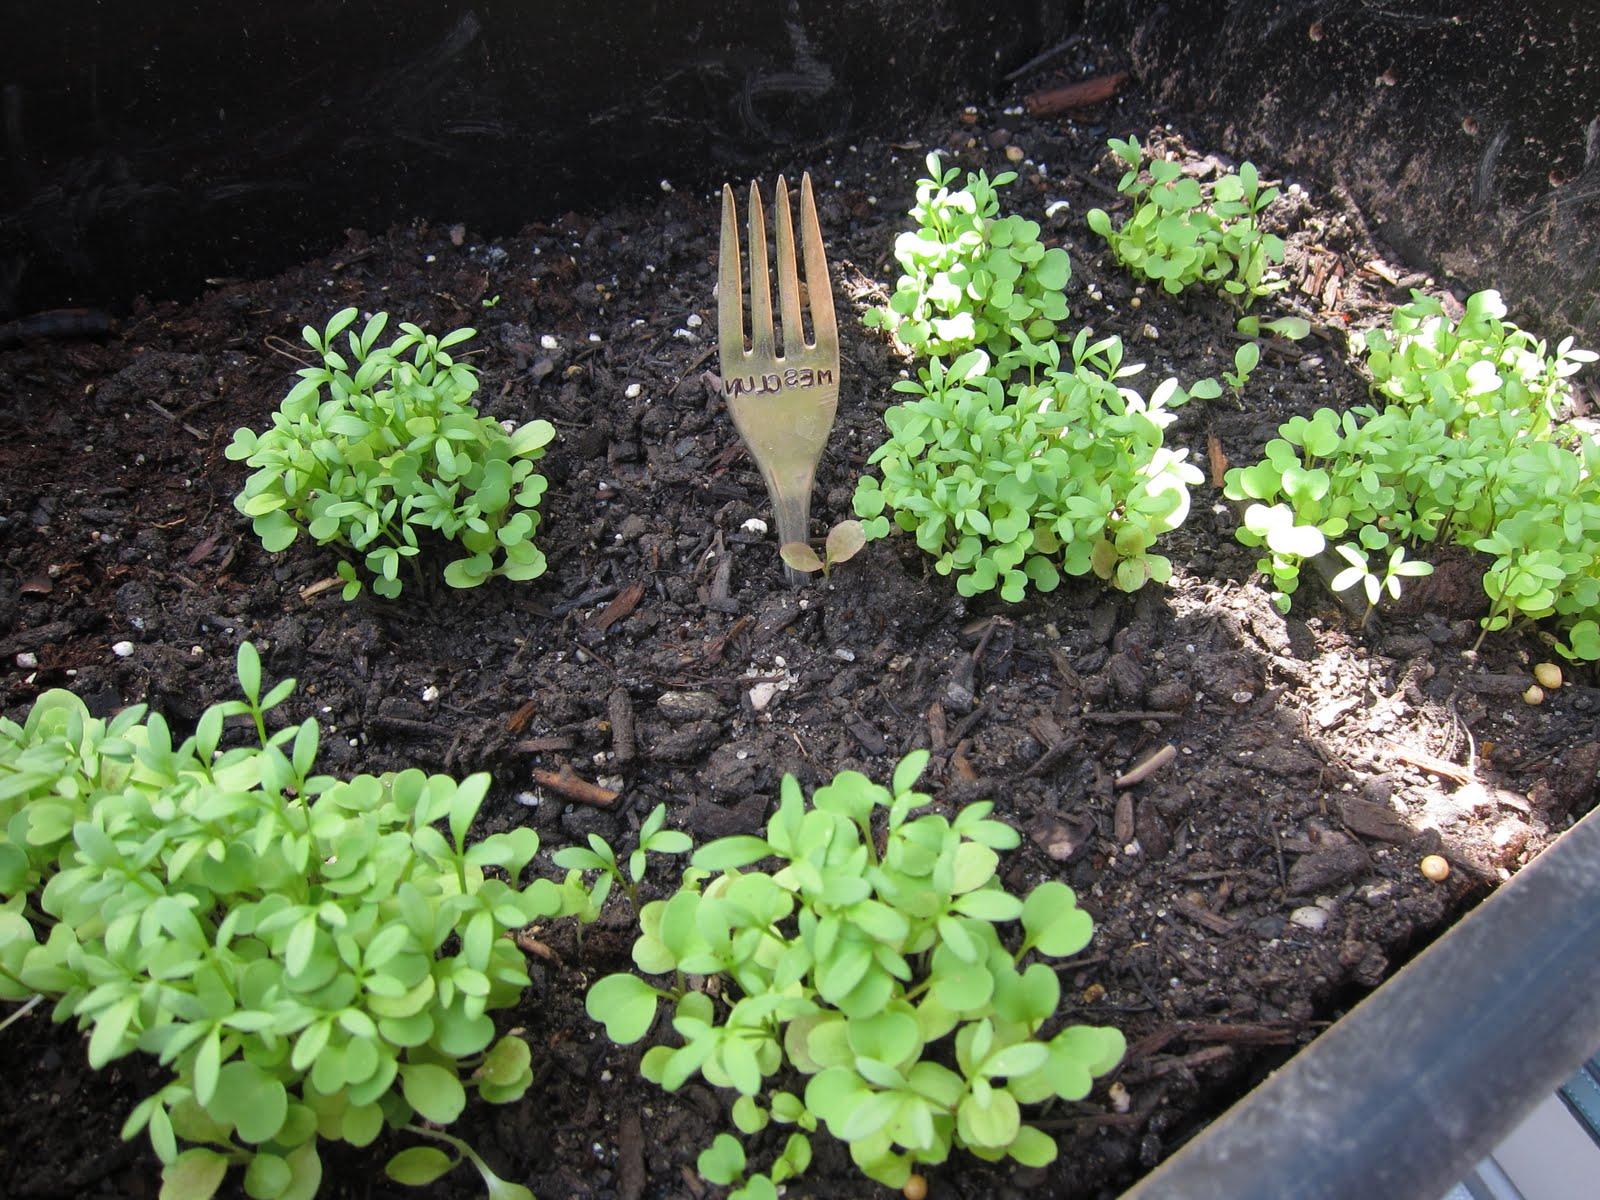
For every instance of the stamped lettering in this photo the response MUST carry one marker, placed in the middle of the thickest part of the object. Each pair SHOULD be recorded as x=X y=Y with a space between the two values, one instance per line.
x=775 y=382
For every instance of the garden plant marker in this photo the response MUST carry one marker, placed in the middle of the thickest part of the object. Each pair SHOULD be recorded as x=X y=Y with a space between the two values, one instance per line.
x=782 y=405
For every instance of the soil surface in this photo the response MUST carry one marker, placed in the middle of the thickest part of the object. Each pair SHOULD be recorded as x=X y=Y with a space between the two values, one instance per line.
x=1244 y=894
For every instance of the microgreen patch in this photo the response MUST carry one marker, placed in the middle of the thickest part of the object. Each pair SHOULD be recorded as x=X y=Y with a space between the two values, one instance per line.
x=1466 y=449
x=310 y=959
x=905 y=986
x=368 y=451
x=1182 y=232
x=1064 y=471
x=971 y=275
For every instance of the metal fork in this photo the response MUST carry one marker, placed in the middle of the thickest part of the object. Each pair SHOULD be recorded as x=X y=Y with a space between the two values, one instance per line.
x=782 y=405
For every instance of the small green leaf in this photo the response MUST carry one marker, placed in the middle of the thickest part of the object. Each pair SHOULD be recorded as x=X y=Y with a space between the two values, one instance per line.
x=418 y=1165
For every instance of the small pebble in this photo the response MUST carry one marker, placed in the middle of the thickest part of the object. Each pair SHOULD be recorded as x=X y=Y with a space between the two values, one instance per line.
x=1310 y=917
x=1434 y=868
x=27 y=660
x=632 y=391
x=694 y=321
x=430 y=694
x=122 y=649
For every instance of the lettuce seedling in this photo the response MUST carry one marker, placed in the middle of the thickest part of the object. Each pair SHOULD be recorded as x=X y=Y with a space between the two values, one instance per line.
x=1065 y=471
x=1465 y=448
x=877 y=956
x=1181 y=232
x=971 y=275
x=844 y=542
x=367 y=453
x=310 y=959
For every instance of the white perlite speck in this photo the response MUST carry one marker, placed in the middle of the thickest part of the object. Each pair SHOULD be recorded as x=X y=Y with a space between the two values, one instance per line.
x=122 y=649
x=632 y=391
x=27 y=660
x=754 y=525
x=548 y=342
x=430 y=694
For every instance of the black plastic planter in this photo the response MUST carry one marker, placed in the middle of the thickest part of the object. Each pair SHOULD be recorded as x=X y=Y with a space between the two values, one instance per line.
x=1421 y=1080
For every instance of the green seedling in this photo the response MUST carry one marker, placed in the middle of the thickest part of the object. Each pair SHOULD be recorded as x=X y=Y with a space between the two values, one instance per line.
x=308 y=959
x=369 y=453
x=1064 y=471
x=1245 y=360
x=491 y=302
x=1375 y=585
x=599 y=856
x=876 y=955
x=971 y=275
x=1453 y=454
x=1290 y=328
x=1182 y=233
x=843 y=543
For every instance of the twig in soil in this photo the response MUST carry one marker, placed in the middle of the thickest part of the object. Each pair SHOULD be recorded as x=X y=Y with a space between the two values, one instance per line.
x=627 y=600
x=1204 y=916
x=1167 y=1066
x=312 y=590
x=936 y=727
x=1123 y=718
x=1434 y=766
x=278 y=346
x=163 y=411
x=1038 y=60
x=619 y=707
x=543 y=745
x=689 y=370
x=27 y=1008
x=1083 y=94
x=1147 y=766
x=566 y=782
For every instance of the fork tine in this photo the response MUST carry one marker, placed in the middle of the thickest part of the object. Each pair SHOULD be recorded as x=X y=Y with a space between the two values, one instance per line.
x=794 y=338
x=761 y=337
x=819 y=289
x=730 y=281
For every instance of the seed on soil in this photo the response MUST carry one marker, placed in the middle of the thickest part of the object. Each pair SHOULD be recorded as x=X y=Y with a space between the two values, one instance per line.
x=1534 y=694
x=1435 y=868
x=916 y=1188
x=1548 y=675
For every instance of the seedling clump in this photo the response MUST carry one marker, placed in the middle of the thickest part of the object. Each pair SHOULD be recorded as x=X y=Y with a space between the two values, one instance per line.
x=1182 y=232
x=843 y=543
x=971 y=275
x=1465 y=448
x=1064 y=470
x=864 y=972
x=311 y=959
x=369 y=451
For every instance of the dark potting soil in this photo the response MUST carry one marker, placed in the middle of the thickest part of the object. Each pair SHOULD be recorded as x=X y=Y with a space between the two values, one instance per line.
x=1243 y=894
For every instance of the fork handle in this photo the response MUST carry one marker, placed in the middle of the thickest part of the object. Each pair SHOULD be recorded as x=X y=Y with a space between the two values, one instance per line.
x=792 y=514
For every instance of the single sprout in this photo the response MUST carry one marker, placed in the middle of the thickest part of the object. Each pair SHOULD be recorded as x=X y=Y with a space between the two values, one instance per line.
x=1548 y=675
x=843 y=543
x=1434 y=868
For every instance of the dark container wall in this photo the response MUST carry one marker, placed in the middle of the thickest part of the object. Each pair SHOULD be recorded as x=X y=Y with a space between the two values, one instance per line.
x=1469 y=130
x=150 y=146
